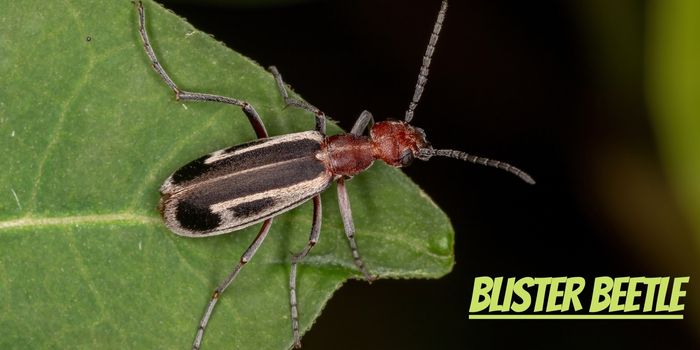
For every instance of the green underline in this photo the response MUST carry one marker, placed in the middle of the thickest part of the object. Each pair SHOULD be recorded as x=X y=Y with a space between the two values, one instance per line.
x=574 y=317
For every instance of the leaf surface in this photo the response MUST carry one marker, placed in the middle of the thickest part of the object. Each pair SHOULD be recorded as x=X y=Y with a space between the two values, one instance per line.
x=89 y=133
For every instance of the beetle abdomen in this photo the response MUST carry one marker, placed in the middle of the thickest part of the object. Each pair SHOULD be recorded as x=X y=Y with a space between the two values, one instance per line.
x=236 y=187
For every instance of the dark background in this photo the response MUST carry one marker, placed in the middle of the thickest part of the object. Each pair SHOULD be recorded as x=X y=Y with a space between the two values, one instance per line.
x=537 y=84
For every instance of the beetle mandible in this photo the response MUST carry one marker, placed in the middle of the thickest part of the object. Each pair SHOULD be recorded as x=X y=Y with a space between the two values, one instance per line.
x=237 y=187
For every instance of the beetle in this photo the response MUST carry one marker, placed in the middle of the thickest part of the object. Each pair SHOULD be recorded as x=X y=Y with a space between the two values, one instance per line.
x=243 y=185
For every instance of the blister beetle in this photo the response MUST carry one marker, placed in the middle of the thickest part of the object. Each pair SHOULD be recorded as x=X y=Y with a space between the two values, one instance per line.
x=236 y=187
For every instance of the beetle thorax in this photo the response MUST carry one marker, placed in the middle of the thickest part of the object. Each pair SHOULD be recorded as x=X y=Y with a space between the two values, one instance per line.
x=346 y=154
x=396 y=142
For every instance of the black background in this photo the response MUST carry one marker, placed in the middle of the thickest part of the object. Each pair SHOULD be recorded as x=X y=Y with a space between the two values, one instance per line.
x=517 y=81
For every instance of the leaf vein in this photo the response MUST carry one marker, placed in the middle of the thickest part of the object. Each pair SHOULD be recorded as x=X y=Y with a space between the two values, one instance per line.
x=29 y=221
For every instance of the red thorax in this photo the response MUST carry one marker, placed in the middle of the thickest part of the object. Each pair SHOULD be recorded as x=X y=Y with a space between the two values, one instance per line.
x=394 y=142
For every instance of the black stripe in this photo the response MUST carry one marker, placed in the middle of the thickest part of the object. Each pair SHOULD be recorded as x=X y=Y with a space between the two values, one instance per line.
x=256 y=181
x=197 y=170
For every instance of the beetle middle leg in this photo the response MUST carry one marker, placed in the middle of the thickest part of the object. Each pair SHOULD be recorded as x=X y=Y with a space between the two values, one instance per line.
x=245 y=258
x=297 y=258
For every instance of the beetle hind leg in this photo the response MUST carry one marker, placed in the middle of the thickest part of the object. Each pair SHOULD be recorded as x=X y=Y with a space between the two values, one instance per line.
x=182 y=95
x=290 y=101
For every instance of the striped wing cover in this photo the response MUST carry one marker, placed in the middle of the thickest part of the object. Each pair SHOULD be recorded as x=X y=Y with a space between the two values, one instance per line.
x=239 y=186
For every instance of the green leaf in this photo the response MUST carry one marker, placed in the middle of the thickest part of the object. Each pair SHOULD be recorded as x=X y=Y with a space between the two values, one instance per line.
x=89 y=132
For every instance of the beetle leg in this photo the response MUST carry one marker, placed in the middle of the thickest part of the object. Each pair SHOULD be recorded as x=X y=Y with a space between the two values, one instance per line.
x=365 y=120
x=346 y=214
x=183 y=95
x=297 y=258
x=290 y=101
x=245 y=258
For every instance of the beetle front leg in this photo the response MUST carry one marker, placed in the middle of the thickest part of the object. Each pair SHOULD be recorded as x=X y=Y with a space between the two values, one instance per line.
x=349 y=226
x=365 y=120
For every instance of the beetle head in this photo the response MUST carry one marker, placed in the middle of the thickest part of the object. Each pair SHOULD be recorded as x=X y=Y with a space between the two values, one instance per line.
x=397 y=143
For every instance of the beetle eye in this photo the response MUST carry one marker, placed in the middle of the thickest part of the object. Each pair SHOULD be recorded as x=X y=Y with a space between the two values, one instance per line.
x=406 y=158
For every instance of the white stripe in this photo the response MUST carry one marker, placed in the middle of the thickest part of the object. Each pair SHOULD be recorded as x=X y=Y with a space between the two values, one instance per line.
x=282 y=196
x=306 y=135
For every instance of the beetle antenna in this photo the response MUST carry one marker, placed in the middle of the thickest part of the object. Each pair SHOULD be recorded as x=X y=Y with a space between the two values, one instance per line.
x=427 y=153
x=425 y=68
